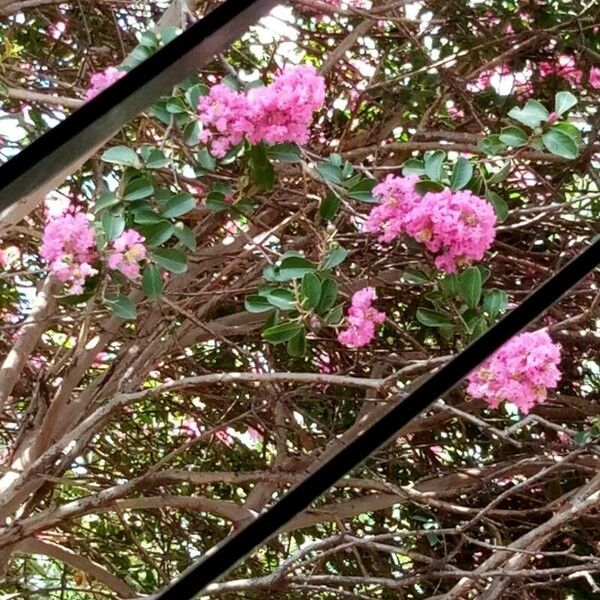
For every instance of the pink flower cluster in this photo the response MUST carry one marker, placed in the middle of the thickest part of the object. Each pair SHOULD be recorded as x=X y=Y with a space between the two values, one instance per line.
x=563 y=66
x=519 y=83
x=458 y=226
x=69 y=247
x=520 y=372
x=277 y=113
x=102 y=80
x=362 y=319
x=128 y=251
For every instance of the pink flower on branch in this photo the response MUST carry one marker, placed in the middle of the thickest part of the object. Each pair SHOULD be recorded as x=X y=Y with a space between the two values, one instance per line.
x=102 y=80
x=69 y=247
x=458 y=226
x=277 y=113
x=128 y=250
x=520 y=372
x=595 y=78
x=362 y=319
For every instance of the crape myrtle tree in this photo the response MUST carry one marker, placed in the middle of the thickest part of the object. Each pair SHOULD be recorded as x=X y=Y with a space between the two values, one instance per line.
x=268 y=259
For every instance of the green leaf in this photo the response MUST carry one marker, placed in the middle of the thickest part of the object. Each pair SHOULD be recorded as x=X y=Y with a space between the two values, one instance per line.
x=334 y=316
x=257 y=304
x=281 y=298
x=186 y=236
x=450 y=284
x=414 y=275
x=152 y=282
x=297 y=345
x=145 y=217
x=485 y=273
x=413 y=166
x=501 y=175
x=434 y=165
x=470 y=286
x=499 y=205
x=176 y=106
x=311 y=290
x=122 y=155
x=157 y=233
x=295 y=267
x=461 y=174
x=171 y=259
x=113 y=225
x=532 y=114
x=336 y=159
x=330 y=206
x=330 y=172
x=138 y=55
x=478 y=327
x=205 y=160
x=560 y=143
x=169 y=33
x=123 y=307
x=179 y=204
x=193 y=94
x=513 y=136
x=494 y=302
x=262 y=172
x=426 y=185
x=191 y=133
x=106 y=200
x=335 y=257
x=329 y=294
x=282 y=332
x=138 y=188
x=215 y=202
x=362 y=190
x=288 y=153
x=570 y=130
x=156 y=159
x=582 y=437
x=491 y=144
x=148 y=39
x=563 y=101
x=431 y=318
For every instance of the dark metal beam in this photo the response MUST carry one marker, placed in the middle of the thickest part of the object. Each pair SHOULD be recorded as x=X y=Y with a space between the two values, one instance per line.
x=223 y=557
x=41 y=167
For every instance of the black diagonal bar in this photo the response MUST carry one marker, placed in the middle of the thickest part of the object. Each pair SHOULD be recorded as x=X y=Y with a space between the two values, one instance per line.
x=60 y=150
x=223 y=557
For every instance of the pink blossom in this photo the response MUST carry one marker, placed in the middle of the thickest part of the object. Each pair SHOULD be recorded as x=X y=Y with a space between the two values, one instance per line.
x=564 y=66
x=224 y=436
x=282 y=112
x=520 y=372
x=128 y=251
x=255 y=436
x=102 y=80
x=190 y=428
x=398 y=197
x=69 y=247
x=595 y=77
x=224 y=114
x=455 y=113
x=362 y=319
x=458 y=225
x=483 y=81
x=9 y=256
x=277 y=113
x=57 y=29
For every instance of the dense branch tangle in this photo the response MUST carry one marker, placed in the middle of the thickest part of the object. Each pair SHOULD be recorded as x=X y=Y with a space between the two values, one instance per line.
x=129 y=448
